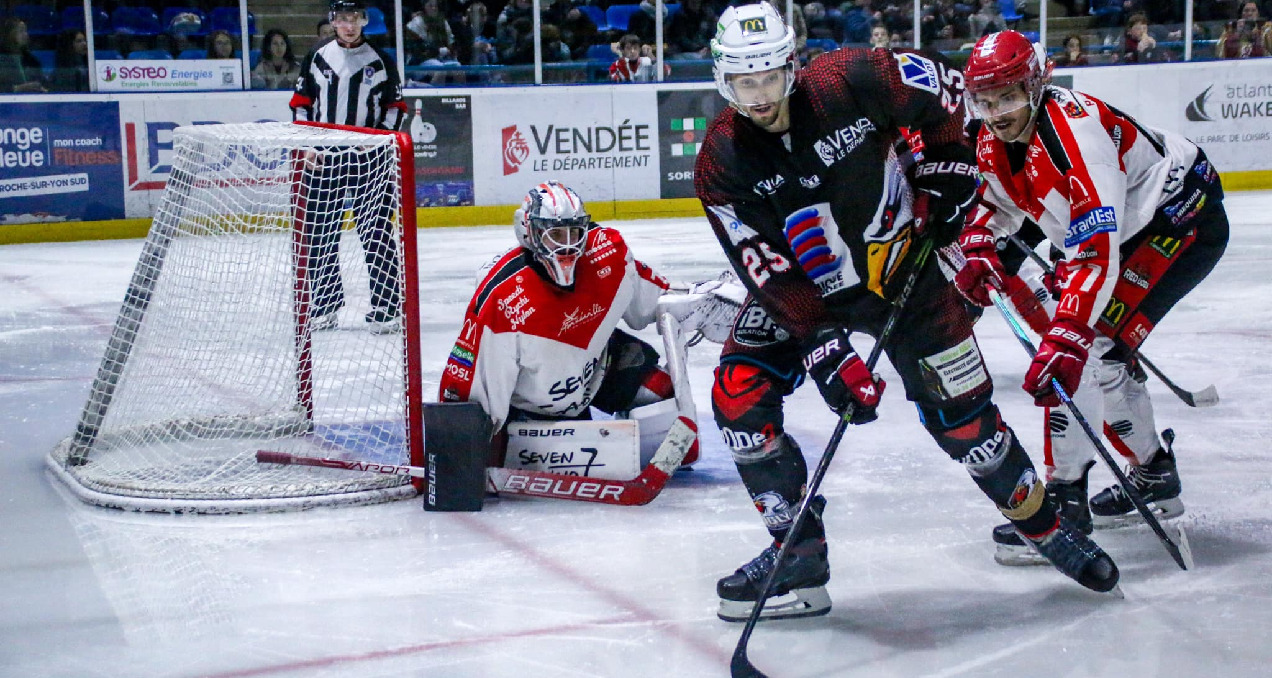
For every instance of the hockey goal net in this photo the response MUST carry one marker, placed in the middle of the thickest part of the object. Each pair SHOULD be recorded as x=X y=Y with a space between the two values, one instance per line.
x=274 y=306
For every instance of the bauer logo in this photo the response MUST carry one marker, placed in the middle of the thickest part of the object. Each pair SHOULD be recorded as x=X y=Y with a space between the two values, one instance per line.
x=1098 y=220
x=515 y=150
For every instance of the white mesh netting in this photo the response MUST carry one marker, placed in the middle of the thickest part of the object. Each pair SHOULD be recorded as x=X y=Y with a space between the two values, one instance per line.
x=266 y=312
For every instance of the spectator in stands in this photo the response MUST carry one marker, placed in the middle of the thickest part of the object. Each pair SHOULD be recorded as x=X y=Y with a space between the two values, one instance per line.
x=220 y=45
x=70 y=62
x=20 y=71
x=941 y=21
x=642 y=22
x=1072 y=53
x=879 y=37
x=690 y=31
x=325 y=30
x=477 y=33
x=578 y=31
x=821 y=26
x=1139 y=46
x=515 y=41
x=429 y=38
x=987 y=19
x=796 y=20
x=635 y=61
x=278 y=68
x=857 y=20
x=1245 y=37
x=506 y=34
x=552 y=48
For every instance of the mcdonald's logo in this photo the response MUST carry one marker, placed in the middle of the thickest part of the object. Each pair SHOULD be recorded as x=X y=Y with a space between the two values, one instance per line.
x=1166 y=246
x=754 y=25
x=1113 y=312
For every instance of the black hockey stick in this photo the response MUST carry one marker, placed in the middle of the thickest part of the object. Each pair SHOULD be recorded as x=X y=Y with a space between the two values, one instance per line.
x=741 y=666
x=1181 y=552
x=1206 y=397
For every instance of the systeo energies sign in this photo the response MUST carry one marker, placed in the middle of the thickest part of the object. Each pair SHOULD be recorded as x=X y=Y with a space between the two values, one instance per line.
x=602 y=143
x=60 y=162
x=168 y=76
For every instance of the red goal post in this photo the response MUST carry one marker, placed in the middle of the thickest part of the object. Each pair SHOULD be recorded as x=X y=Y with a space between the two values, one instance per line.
x=262 y=308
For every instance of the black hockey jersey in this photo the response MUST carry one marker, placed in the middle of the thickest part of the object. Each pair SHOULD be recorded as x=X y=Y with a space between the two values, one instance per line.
x=814 y=217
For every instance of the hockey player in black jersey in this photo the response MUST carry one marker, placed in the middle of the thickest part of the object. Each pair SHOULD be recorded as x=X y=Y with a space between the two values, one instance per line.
x=819 y=185
x=346 y=81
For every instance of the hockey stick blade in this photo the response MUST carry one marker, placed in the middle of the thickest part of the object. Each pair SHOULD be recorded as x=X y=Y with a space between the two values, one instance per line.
x=635 y=492
x=1131 y=492
x=1206 y=397
x=285 y=459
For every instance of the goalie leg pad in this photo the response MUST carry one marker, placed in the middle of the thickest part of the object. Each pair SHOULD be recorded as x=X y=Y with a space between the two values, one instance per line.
x=630 y=361
x=456 y=445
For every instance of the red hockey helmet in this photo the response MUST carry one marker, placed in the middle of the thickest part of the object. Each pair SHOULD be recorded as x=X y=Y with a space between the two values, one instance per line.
x=1003 y=59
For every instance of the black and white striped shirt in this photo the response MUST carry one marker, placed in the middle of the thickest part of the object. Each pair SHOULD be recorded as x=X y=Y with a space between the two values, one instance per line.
x=356 y=86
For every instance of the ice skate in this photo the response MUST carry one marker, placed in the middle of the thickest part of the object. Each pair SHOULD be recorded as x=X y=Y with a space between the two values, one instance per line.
x=1157 y=482
x=1010 y=549
x=323 y=323
x=1078 y=557
x=384 y=321
x=799 y=591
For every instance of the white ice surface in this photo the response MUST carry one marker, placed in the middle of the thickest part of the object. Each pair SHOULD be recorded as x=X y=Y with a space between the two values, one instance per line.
x=561 y=589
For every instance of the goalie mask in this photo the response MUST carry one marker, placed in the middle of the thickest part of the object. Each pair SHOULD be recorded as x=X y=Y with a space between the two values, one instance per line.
x=552 y=225
x=753 y=39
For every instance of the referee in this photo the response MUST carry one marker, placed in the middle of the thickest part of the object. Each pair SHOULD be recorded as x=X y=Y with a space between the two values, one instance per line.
x=345 y=81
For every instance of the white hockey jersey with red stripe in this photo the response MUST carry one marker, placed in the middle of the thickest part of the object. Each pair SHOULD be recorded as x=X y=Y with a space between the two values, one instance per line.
x=528 y=344
x=1091 y=178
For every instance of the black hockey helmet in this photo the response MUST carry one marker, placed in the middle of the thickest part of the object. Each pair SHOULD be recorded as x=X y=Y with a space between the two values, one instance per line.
x=339 y=7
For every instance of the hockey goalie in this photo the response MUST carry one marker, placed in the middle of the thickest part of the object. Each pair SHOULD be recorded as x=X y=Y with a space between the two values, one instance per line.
x=540 y=350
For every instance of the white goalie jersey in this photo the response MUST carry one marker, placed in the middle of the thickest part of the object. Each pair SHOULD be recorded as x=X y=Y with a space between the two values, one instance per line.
x=530 y=345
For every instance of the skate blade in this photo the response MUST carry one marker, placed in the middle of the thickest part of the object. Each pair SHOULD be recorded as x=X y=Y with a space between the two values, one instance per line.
x=1180 y=537
x=1166 y=509
x=1116 y=592
x=1018 y=556
x=810 y=602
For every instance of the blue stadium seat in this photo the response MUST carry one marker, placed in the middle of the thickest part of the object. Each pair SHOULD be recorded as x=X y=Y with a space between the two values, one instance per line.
x=1033 y=36
x=825 y=44
x=227 y=19
x=194 y=53
x=107 y=54
x=158 y=54
x=391 y=53
x=1008 y=8
x=47 y=58
x=600 y=53
x=617 y=16
x=73 y=18
x=375 y=22
x=597 y=15
x=136 y=21
x=254 y=57
x=39 y=20
x=673 y=8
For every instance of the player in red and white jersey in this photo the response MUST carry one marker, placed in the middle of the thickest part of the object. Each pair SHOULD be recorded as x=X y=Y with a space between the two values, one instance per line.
x=540 y=338
x=1137 y=214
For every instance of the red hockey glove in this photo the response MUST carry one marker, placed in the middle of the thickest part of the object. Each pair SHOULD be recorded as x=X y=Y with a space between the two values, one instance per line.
x=841 y=376
x=1061 y=356
x=983 y=267
x=1027 y=305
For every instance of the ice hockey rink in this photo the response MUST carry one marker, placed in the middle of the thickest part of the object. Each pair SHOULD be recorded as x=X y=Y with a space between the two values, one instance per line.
x=535 y=587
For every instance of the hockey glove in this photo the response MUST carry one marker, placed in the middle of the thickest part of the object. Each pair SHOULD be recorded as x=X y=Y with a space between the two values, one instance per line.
x=1061 y=356
x=945 y=195
x=1026 y=302
x=841 y=376
x=983 y=267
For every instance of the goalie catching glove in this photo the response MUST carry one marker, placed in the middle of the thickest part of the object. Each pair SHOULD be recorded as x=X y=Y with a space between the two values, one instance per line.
x=841 y=376
x=707 y=308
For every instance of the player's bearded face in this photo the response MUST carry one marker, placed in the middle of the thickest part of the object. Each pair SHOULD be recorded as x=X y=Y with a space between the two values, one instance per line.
x=1006 y=110
x=762 y=97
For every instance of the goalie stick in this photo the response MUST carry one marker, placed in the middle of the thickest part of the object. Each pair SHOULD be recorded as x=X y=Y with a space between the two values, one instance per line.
x=1206 y=397
x=1178 y=548
x=635 y=492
